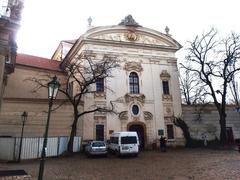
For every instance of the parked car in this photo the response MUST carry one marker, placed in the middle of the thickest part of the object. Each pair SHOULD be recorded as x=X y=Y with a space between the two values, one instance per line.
x=96 y=148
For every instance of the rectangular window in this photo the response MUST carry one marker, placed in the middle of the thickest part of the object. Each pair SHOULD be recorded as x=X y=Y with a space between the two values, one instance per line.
x=165 y=87
x=100 y=85
x=129 y=140
x=100 y=132
x=170 y=133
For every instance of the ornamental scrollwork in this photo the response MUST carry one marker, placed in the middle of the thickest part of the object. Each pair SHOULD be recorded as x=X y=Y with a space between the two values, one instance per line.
x=167 y=97
x=134 y=97
x=165 y=75
x=123 y=115
x=133 y=66
x=147 y=115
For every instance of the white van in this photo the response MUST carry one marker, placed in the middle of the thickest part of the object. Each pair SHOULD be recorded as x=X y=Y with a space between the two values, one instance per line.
x=123 y=143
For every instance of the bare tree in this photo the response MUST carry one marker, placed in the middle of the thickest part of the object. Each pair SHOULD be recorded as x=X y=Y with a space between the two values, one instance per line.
x=80 y=81
x=213 y=61
x=234 y=88
x=193 y=90
x=83 y=75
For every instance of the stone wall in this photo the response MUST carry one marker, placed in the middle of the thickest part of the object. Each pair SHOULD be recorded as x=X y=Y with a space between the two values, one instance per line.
x=204 y=121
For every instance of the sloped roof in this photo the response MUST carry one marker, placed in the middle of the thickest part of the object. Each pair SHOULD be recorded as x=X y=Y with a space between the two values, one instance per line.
x=38 y=62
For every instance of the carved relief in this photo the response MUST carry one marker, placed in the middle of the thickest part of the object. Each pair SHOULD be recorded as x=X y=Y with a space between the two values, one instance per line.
x=133 y=66
x=150 y=40
x=147 y=115
x=99 y=114
x=134 y=97
x=100 y=95
x=113 y=37
x=130 y=36
x=165 y=75
x=123 y=115
x=168 y=111
x=167 y=97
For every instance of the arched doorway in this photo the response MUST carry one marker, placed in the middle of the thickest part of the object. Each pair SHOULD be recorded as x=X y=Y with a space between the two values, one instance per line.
x=140 y=129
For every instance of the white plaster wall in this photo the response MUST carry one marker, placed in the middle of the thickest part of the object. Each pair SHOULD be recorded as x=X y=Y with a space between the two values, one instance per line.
x=153 y=62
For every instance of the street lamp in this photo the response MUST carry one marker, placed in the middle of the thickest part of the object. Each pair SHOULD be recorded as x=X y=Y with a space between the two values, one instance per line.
x=24 y=118
x=53 y=87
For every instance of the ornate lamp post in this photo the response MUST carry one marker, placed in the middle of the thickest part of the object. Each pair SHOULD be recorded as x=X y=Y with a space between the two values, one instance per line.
x=24 y=118
x=53 y=87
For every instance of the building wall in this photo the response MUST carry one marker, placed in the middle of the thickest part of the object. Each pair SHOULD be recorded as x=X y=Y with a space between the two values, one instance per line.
x=19 y=97
x=204 y=120
x=151 y=56
x=156 y=110
x=11 y=122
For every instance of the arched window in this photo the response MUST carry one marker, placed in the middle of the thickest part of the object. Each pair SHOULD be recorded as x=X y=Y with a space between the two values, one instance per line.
x=134 y=83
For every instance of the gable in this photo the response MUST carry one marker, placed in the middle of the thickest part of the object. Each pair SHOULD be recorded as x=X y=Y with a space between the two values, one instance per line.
x=134 y=35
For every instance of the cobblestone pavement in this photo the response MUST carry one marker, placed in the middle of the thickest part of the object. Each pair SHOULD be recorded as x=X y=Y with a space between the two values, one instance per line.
x=177 y=164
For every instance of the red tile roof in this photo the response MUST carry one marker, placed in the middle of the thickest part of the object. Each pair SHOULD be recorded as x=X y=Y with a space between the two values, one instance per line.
x=38 y=62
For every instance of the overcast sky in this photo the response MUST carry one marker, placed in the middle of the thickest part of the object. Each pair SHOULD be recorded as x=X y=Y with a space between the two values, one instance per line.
x=46 y=22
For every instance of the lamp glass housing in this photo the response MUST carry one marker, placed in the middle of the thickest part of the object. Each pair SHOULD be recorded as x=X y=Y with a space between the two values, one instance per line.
x=53 y=87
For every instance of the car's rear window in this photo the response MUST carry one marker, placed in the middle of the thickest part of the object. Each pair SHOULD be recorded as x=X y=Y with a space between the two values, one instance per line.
x=98 y=144
x=129 y=140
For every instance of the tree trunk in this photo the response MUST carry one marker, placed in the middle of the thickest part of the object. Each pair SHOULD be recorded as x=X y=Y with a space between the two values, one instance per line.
x=73 y=133
x=223 y=135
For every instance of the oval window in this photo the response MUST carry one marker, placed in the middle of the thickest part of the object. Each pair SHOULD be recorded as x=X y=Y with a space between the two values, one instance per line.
x=135 y=110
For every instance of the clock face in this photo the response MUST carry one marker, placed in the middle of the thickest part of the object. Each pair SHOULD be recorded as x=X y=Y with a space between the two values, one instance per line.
x=132 y=36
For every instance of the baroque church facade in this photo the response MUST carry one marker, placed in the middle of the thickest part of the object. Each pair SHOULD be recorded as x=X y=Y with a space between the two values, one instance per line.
x=145 y=89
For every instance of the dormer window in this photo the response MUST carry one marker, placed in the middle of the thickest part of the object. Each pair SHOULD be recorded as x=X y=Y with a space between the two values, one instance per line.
x=134 y=83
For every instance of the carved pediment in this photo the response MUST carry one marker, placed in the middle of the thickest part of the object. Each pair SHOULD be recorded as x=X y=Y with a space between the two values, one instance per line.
x=134 y=97
x=131 y=36
x=165 y=75
x=127 y=35
x=147 y=115
x=133 y=66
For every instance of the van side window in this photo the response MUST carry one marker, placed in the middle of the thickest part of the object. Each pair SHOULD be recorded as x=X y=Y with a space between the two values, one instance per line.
x=129 y=140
